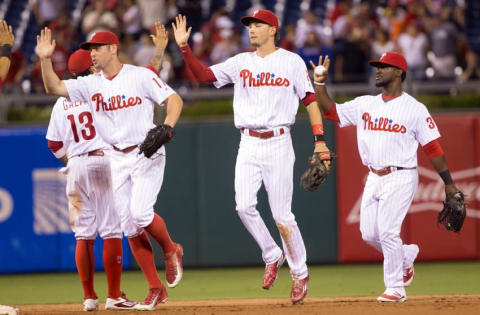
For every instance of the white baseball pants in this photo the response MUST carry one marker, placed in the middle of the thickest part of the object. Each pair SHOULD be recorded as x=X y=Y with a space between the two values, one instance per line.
x=90 y=198
x=271 y=161
x=136 y=184
x=385 y=203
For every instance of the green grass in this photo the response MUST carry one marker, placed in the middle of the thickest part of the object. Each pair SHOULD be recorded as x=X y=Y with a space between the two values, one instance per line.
x=244 y=283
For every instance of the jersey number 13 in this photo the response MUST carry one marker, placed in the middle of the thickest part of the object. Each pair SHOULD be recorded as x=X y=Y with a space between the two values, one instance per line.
x=88 y=130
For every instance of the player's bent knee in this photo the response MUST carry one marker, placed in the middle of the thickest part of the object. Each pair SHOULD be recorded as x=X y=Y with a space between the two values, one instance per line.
x=142 y=219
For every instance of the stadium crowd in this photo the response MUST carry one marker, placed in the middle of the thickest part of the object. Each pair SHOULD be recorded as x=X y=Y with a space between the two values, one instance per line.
x=431 y=35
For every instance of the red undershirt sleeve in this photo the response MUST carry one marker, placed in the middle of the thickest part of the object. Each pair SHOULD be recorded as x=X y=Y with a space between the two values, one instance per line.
x=199 y=70
x=332 y=114
x=308 y=99
x=433 y=149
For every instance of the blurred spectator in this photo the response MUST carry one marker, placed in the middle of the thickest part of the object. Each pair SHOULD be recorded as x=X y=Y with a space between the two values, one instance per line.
x=288 y=41
x=62 y=25
x=312 y=48
x=156 y=10
x=472 y=69
x=202 y=44
x=381 y=44
x=226 y=48
x=98 y=16
x=308 y=25
x=351 y=57
x=131 y=18
x=443 y=38
x=145 y=50
x=18 y=64
x=46 y=11
x=413 y=44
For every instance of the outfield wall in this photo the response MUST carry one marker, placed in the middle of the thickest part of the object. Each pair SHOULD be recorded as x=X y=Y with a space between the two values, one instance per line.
x=197 y=200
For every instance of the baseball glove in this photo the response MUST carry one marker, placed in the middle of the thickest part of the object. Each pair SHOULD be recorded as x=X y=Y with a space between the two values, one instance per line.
x=155 y=138
x=453 y=212
x=317 y=172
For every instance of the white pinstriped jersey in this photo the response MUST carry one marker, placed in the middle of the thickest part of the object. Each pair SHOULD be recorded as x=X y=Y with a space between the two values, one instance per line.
x=267 y=89
x=388 y=133
x=72 y=124
x=122 y=106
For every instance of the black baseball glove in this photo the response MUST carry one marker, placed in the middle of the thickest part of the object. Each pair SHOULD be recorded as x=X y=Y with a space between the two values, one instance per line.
x=454 y=212
x=317 y=172
x=155 y=138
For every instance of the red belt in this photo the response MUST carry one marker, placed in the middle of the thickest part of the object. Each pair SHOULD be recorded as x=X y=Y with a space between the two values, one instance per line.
x=262 y=135
x=96 y=153
x=389 y=169
x=126 y=150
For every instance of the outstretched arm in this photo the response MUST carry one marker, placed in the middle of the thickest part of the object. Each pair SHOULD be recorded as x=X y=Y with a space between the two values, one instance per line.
x=44 y=50
x=201 y=72
x=160 y=39
x=6 y=42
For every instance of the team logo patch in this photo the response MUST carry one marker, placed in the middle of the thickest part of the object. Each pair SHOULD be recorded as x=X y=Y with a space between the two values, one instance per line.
x=381 y=124
x=262 y=79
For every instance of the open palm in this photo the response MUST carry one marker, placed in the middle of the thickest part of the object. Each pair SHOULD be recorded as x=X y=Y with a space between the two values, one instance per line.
x=6 y=34
x=180 y=30
x=160 y=39
x=45 y=45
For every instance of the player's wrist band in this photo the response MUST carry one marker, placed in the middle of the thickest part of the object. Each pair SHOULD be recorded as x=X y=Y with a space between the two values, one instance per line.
x=446 y=177
x=318 y=83
x=6 y=51
x=317 y=129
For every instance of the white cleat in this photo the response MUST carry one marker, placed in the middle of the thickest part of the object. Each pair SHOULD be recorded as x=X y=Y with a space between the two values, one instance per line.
x=90 y=305
x=392 y=295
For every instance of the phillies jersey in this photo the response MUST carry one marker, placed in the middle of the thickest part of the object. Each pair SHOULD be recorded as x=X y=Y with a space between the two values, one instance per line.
x=72 y=124
x=122 y=105
x=267 y=90
x=388 y=133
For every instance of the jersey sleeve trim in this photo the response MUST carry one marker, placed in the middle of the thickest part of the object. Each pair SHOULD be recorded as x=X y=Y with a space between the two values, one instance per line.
x=332 y=114
x=433 y=149
x=309 y=98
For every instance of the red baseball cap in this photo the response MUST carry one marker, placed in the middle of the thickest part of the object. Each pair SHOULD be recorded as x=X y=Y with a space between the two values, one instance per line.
x=391 y=58
x=102 y=38
x=265 y=16
x=80 y=61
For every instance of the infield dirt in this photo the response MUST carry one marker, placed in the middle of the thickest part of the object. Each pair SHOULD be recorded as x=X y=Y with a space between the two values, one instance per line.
x=422 y=305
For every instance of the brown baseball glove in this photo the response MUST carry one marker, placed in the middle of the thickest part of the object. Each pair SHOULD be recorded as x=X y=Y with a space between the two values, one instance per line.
x=156 y=137
x=454 y=212
x=317 y=172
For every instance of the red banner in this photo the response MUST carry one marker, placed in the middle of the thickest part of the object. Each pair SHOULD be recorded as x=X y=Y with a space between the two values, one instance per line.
x=460 y=139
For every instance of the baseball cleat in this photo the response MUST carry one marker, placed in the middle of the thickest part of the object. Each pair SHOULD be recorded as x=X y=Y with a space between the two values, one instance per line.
x=299 y=290
x=271 y=272
x=90 y=304
x=174 y=267
x=154 y=297
x=409 y=273
x=408 y=276
x=120 y=303
x=392 y=295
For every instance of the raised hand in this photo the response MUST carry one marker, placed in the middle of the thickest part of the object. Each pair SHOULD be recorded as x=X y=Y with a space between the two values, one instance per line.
x=6 y=34
x=45 y=45
x=160 y=39
x=180 y=30
x=326 y=64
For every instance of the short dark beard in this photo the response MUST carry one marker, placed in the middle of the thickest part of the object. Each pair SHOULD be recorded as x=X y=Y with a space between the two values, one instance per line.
x=381 y=84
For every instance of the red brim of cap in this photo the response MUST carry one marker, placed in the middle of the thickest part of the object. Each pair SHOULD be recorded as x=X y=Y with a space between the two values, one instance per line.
x=246 y=20
x=86 y=45
x=377 y=63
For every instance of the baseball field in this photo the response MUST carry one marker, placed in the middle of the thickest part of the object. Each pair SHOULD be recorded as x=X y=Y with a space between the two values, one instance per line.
x=438 y=288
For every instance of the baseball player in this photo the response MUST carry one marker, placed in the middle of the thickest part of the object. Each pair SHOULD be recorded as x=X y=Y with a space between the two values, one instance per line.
x=6 y=42
x=73 y=138
x=121 y=98
x=267 y=86
x=389 y=128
